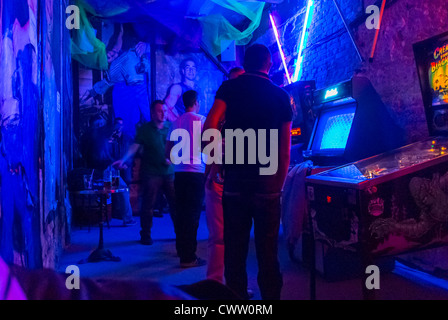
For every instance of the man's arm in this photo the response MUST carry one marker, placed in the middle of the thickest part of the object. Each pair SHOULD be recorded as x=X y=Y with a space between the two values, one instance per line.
x=213 y=120
x=169 y=145
x=133 y=149
x=284 y=152
x=170 y=101
x=215 y=116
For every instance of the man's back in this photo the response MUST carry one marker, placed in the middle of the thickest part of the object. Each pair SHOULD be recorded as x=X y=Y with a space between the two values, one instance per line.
x=253 y=102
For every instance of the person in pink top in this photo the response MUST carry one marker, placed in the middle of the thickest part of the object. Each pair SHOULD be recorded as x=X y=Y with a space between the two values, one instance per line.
x=214 y=212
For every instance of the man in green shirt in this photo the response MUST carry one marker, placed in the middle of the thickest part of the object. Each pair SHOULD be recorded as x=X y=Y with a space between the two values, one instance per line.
x=157 y=172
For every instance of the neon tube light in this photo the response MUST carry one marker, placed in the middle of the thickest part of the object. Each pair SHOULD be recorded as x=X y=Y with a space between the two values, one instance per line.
x=419 y=276
x=303 y=40
x=282 y=54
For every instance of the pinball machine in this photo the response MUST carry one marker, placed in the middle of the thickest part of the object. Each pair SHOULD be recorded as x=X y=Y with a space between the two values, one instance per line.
x=380 y=206
x=386 y=203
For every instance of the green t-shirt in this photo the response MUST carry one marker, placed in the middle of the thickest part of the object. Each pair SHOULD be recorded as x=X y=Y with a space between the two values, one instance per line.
x=153 y=141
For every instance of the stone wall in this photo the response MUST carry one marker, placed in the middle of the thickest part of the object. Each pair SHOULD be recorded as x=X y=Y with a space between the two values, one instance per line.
x=330 y=56
x=35 y=113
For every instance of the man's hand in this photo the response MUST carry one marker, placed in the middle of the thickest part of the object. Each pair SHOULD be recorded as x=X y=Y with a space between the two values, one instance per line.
x=119 y=164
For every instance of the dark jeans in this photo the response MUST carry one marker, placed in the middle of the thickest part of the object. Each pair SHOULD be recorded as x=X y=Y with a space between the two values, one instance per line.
x=190 y=191
x=240 y=209
x=151 y=185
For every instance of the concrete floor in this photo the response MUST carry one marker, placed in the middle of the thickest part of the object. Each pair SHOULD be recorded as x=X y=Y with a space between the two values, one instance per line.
x=159 y=263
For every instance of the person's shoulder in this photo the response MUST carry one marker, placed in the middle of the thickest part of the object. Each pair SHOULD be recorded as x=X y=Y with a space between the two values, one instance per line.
x=226 y=83
x=175 y=88
x=144 y=127
x=229 y=85
x=199 y=117
x=280 y=91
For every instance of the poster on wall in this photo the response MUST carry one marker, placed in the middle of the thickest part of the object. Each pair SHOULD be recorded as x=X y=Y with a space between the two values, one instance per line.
x=431 y=57
x=438 y=74
x=432 y=61
x=178 y=73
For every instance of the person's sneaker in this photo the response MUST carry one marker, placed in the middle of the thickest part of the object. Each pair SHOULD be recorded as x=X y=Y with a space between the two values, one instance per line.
x=250 y=294
x=129 y=223
x=146 y=242
x=196 y=263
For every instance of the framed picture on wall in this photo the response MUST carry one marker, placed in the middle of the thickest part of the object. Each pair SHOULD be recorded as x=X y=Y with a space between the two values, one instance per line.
x=186 y=71
x=431 y=56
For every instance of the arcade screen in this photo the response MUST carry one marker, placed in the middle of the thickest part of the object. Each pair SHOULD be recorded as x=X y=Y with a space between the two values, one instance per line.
x=432 y=63
x=333 y=129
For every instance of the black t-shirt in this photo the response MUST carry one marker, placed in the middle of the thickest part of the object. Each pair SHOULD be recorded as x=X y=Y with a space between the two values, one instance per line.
x=253 y=103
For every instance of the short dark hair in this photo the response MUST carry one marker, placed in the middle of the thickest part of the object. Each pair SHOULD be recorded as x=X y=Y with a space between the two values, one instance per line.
x=154 y=103
x=257 y=57
x=189 y=98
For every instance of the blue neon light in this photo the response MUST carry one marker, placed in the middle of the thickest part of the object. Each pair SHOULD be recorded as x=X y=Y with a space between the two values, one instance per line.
x=303 y=40
x=419 y=276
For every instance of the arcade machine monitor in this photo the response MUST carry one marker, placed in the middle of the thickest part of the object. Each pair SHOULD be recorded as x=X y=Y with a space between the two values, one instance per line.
x=431 y=56
x=352 y=124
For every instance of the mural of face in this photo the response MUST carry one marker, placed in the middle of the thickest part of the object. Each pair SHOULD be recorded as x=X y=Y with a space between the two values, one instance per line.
x=189 y=71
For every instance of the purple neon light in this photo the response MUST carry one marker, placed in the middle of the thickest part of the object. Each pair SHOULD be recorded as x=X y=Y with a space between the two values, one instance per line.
x=282 y=54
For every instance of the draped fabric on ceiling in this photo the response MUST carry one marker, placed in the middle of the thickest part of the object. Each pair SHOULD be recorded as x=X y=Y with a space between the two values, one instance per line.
x=216 y=27
x=85 y=46
x=202 y=23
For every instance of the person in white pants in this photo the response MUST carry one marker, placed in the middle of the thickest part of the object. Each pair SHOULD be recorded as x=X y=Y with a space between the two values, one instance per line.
x=214 y=212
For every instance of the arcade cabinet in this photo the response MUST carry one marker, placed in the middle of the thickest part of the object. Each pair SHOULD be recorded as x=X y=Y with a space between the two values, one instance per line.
x=302 y=97
x=352 y=124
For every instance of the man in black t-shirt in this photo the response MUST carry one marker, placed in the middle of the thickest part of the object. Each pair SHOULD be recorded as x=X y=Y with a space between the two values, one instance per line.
x=258 y=110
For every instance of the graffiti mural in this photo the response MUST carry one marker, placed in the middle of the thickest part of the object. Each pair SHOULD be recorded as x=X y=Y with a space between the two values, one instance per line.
x=186 y=71
x=30 y=123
